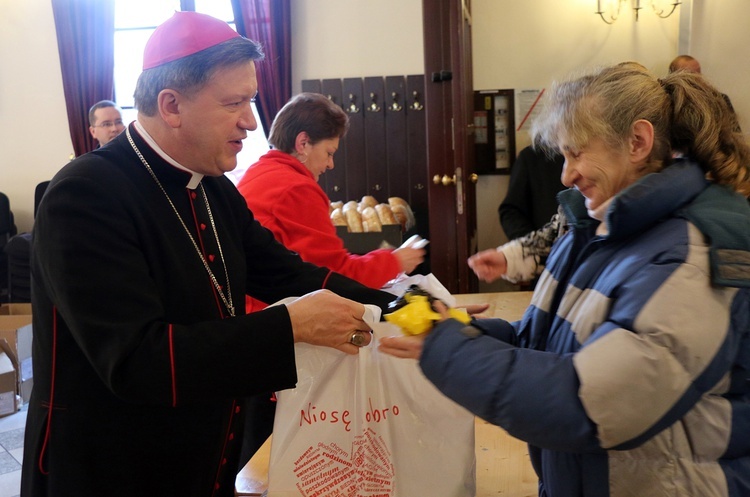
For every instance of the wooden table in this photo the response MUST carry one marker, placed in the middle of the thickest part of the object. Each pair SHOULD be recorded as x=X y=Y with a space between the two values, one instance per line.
x=503 y=467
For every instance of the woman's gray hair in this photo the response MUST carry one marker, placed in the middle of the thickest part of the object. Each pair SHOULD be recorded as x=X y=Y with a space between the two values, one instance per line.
x=605 y=104
x=189 y=74
x=688 y=116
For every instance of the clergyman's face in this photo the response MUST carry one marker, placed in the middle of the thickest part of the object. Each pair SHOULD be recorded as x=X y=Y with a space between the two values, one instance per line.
x=107 y=125
x=215 y=120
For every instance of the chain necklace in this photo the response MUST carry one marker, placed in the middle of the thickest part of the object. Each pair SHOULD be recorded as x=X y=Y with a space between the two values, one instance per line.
x=227 y=299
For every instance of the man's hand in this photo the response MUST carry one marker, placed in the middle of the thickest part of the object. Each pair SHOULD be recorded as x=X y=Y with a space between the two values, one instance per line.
x=324 y=318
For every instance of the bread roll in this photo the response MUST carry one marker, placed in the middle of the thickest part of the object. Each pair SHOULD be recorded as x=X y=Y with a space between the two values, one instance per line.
x=397 y=201
x=337 y=205
x=352 y=204
x=353 y=220
x=370 y=220
x=402 y=211
x=337 y=217
x=400 y=214
x=404 y=216
x=367 y=201
x=385 y=214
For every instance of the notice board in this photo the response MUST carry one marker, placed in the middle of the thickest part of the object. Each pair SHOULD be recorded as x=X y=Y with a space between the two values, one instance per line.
x=494 y=131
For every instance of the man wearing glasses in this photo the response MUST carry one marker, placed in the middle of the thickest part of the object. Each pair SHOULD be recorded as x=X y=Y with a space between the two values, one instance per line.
x=105 y=121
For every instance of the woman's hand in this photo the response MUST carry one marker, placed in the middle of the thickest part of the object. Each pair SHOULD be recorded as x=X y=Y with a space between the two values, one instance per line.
x=410 y=347
x=405 y=347
x=409 y=258
x=476 y=310
x=488 y=264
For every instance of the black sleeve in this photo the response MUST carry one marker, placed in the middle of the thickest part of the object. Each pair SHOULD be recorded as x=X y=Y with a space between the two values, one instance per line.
x=350 y=289
x=515 y=211
x=275 y=273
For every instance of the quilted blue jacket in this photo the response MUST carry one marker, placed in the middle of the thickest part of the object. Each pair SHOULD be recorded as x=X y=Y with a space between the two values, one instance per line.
x=628 y=374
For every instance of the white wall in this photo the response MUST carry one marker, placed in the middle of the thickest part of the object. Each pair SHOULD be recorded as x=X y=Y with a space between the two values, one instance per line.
x=516 y=45
x=355 y=38
x=719 y=41
x=34 y=136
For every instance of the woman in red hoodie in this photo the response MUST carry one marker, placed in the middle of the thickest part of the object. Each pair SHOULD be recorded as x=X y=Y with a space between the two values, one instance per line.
x=282 y=191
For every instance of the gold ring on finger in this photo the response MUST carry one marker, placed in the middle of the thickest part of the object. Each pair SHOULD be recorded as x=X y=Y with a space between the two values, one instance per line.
x=358 y=339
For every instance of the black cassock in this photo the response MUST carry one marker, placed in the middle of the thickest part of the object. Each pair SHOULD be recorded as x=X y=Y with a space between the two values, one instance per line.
x=139 y=370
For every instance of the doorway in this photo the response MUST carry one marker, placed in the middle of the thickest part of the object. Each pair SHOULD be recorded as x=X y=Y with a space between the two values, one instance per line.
x=450 y=141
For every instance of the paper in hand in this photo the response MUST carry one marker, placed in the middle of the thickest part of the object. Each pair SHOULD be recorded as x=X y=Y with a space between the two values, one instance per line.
x=415 y=242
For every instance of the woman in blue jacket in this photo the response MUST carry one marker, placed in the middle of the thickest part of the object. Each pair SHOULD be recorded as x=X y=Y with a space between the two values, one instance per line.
x=628 y=374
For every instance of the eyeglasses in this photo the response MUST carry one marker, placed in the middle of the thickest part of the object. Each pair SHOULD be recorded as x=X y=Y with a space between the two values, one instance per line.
x=109 y=124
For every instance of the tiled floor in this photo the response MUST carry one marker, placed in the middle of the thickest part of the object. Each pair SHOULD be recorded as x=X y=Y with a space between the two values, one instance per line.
x=11 y=452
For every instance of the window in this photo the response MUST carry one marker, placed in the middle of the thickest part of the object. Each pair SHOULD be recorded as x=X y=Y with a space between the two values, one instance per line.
x=135 y=20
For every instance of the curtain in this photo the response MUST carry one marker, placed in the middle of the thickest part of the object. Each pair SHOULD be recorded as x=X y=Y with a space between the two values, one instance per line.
x=85 y=40
x=269 y=23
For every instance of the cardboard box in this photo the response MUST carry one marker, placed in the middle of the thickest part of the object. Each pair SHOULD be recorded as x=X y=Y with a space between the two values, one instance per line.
x=15 y=309
x=17 y=331
x=361 y=243
x=8 y=380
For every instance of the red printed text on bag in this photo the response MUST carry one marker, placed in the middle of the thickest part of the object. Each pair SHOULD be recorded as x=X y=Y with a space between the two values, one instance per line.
x=312 y=415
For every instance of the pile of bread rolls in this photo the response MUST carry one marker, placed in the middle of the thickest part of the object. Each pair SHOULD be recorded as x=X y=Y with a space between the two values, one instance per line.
x=368 y=215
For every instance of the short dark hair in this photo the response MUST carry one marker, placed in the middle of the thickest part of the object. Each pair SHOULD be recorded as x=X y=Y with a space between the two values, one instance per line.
x=312 y=113
x=679 y=62
x=191 y=73
x=101 y=104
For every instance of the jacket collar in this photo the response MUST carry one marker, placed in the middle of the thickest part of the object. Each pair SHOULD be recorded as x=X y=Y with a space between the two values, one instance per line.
x=681 y=190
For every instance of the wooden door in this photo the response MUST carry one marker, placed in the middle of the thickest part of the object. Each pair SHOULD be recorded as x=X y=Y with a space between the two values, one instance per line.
x=450 y=141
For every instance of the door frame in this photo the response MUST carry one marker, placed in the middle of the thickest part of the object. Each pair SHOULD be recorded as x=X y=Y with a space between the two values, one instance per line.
x=450 y=139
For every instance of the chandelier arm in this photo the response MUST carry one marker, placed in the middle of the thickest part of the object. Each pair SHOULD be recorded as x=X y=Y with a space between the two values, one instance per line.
x=601 y=14
x=660 y=12
x=612 y=18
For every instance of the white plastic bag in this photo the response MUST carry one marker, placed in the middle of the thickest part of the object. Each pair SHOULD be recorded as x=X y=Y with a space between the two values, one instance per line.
x=369 y=425
x=427 y=282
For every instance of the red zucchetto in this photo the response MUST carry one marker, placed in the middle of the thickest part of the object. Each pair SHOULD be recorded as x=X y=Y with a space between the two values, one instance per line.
x=183 y=34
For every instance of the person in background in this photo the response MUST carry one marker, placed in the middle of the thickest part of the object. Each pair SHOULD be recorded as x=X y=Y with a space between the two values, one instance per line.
x=685 y=63
x=521 y=259
x=143 y=254
x=532 y=192
x=105 y=121
x=282 y=191
x=528 y=218
x=628 y=371
x=690 y=64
